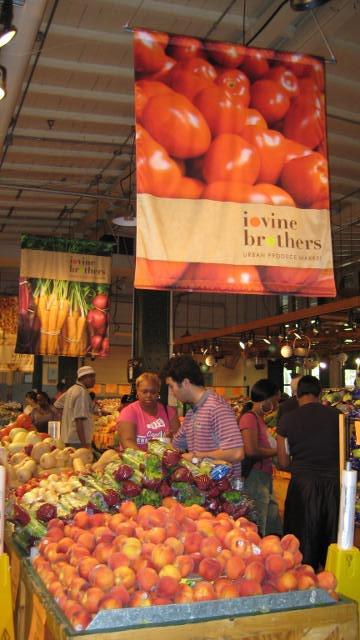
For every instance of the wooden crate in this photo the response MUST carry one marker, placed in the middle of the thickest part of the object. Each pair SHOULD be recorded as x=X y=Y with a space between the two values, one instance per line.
x=334 y=622
x=331 y=622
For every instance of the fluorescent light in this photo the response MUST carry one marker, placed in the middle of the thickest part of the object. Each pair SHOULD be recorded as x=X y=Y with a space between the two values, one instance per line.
x=2 y=82
x=242 y=345
x=297 y=335
x=7 y=35
x=267 y=340
x=124 y=221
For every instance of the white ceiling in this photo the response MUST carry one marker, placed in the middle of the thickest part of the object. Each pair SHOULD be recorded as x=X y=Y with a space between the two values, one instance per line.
x=67 y=127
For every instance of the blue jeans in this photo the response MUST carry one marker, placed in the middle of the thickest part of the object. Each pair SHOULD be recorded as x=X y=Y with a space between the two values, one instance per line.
x=258 y=485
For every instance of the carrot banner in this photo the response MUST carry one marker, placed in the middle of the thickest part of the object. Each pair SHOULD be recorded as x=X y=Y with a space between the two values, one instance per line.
x=64 y=297
x=232 y=170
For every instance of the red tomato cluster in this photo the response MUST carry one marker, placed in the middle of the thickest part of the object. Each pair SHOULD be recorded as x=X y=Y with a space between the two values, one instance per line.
x=222 y=122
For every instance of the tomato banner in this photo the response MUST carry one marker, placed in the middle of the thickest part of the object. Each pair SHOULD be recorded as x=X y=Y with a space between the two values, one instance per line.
x=63 y=297
x=232 y=171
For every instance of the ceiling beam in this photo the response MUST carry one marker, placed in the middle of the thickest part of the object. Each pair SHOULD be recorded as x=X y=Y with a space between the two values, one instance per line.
x=67 y=153
x=82 y=94
x=55 y=169
x=69 y=136
x=292 y=316
x=114 y=70
x=76 y=116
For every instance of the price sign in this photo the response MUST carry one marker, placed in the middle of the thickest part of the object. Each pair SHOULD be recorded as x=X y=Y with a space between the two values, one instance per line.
x=38 y=619
x=15 y=576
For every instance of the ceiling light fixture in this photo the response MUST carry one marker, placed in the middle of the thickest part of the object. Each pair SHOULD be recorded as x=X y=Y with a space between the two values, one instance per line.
x=304 y=5
x=8 y=32
x=267 y=340
x=124 y=221
x=242 y=345
x=2 y=82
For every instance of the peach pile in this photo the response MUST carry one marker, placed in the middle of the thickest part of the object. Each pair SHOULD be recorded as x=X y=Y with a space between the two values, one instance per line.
x=171 y=554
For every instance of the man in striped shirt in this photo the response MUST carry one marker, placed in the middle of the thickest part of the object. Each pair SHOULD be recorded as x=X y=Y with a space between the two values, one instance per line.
x=210 y=429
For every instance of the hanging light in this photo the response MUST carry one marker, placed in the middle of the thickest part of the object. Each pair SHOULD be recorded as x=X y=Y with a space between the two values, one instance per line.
x=303 y=5
x=242 y=345
x=2 y=82
x=8 y=32
x=124 y=221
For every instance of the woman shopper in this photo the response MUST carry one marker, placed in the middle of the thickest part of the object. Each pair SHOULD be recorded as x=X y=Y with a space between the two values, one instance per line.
x=146 y=418
x=43 y=412
x=259 y=452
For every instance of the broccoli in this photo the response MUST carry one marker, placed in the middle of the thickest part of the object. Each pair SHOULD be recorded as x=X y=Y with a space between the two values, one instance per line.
x=147 y=496
x=153 y=467
x=232 y=496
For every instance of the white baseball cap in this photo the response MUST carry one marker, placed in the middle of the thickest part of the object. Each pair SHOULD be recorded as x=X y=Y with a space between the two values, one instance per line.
x=85 y=371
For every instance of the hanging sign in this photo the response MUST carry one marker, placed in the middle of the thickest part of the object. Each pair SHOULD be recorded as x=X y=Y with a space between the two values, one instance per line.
x=9 y=360
x=64 y=297
x=232 y=171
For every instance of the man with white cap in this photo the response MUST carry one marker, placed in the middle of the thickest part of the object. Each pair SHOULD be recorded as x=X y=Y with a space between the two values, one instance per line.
x=77 y=410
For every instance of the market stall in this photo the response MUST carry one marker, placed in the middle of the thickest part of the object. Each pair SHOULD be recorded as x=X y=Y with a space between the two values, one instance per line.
x=150 y=540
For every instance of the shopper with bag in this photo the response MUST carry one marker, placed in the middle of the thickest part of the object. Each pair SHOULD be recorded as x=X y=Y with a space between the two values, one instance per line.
x=257 y=466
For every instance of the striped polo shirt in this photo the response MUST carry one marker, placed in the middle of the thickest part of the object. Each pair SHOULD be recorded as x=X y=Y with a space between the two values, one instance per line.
x=210 y=424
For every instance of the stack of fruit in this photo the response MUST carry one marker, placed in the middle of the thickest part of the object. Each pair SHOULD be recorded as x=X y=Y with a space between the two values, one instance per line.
x=104 y=435
x=9 y=412
x=27 y=453
x=148 y=556
x=145 y=478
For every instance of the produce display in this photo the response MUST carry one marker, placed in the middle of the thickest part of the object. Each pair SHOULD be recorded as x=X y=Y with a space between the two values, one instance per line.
x=145 y=556
x=104 y=433
x=144 y=478
x=27 y=453
x=344 y=399
x=9 y=411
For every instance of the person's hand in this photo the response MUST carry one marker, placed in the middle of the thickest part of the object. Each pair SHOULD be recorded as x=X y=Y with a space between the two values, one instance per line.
x=187 y=456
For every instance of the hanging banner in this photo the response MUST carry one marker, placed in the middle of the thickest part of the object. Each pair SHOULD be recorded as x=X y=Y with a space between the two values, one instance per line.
x=64 y=297
x=9 y=360
x=232 y=171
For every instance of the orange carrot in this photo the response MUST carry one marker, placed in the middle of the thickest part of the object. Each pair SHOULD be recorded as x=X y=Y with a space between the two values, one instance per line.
x=43 y=311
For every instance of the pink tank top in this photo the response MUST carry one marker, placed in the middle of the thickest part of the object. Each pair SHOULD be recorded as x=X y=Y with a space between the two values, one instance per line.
x=148 y=427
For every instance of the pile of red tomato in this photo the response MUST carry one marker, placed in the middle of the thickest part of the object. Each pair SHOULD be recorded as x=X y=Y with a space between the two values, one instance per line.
x=224 y=122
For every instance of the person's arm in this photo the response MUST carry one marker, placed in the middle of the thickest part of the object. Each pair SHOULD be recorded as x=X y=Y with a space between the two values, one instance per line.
x=179 y=440
x=55 y=412
x=252 y=448
x=174 y=423
x=127 y=434
x=227 y=455
x=282 y=454
x=80 y=429
x=59 y=405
